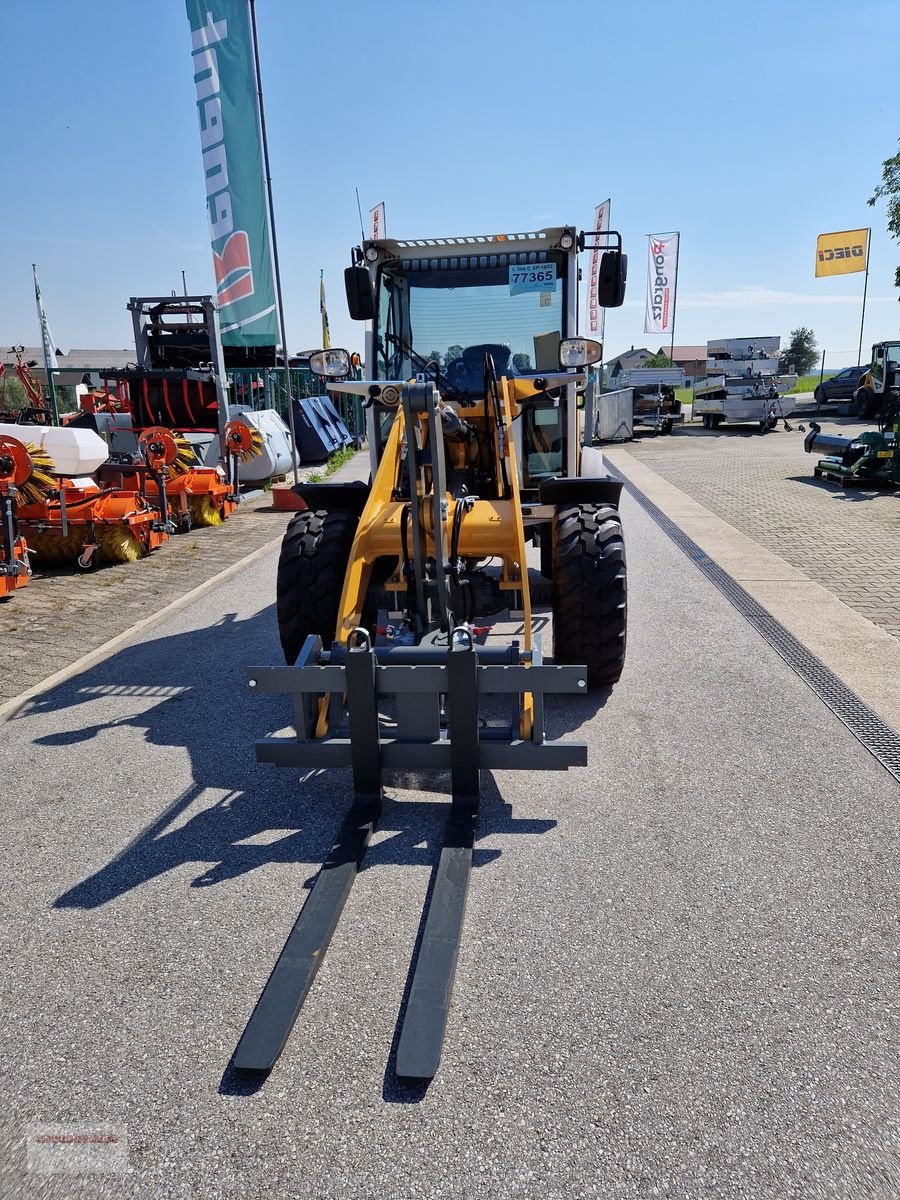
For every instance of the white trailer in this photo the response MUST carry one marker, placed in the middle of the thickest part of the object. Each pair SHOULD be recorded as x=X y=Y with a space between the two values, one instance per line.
x=741 y=385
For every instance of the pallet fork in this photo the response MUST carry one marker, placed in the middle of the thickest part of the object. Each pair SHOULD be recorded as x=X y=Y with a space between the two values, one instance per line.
x=435 y=687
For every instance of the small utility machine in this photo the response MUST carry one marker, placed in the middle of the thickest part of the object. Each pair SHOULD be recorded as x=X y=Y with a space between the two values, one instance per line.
x=881 y=383
x=869 y=460
x=476 y=452
x=872 y=458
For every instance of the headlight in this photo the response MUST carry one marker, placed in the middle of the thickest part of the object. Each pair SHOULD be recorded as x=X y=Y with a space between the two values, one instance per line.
x=334 y=364
x=371 y=254
x=579 y=352
x=567 y=241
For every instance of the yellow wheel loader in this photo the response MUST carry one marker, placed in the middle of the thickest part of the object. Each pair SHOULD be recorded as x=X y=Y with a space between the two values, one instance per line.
x=474 y=370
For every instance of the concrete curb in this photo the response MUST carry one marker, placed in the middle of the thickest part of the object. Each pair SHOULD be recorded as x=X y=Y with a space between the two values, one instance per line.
x=863 y=656
x=10 y=707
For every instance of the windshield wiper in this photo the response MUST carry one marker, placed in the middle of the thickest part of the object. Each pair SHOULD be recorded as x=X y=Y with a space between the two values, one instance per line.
x=423 y=364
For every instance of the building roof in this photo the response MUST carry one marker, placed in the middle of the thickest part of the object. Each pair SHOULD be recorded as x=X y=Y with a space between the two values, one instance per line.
x=97 y=359
x=684 y=353
x=72 y=366
x=634 y=352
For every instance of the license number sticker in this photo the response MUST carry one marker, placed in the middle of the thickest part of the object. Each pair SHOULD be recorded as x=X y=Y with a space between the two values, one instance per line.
x=532 y=277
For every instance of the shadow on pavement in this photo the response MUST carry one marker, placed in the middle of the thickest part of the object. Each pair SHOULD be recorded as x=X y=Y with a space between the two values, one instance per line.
x=853 y=493
x=199 y=703
x=192 y=696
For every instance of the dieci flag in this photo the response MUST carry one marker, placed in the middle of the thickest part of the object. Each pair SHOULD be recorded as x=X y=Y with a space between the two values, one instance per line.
x=597 y=315
x=841 y=253
x=225 y=83
x=662 y=267
x=376 y=222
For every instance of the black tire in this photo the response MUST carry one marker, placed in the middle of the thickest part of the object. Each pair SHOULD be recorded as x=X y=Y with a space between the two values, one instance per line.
x=314 y=555
x=590 y=590
x=819 y=395
x=92 y=564
x=864 y=404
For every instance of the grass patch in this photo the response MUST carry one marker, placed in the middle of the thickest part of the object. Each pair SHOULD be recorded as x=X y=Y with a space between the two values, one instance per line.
x=809 y=383
x=334 y=463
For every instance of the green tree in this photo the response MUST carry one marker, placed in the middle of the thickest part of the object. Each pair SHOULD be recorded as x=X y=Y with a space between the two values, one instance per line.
x=454 y=351
x=889 y=189
x=522 y=362
x=800 y=355
x=13 y=396
x=658 y=360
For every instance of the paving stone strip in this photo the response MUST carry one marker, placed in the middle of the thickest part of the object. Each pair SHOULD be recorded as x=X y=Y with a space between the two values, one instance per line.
x=849 y=542
x=61 y=615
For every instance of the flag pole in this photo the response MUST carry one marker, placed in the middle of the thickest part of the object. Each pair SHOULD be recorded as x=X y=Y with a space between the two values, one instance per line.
x=865 y=289
x=362 y=228
x=675 y=300
x=47 y=348
x=265 y=148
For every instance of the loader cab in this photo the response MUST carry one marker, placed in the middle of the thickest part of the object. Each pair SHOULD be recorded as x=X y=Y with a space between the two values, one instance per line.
x=439 y=305
x=877 y=368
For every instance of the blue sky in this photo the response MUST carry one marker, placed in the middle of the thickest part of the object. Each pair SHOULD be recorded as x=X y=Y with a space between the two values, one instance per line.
x=749 y=128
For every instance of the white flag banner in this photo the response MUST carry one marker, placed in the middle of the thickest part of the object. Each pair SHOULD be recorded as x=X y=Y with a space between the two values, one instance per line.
x=597 y=315
x=50 y=362
x=662 y=270
x=376 y=222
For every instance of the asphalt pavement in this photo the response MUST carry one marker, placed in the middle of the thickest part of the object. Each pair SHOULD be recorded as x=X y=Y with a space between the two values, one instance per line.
x=676 y=977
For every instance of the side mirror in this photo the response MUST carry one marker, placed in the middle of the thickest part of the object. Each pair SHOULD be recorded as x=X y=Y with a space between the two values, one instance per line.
x=360 y=302
x=611 y=279
x=579 y=352
x=332 y=364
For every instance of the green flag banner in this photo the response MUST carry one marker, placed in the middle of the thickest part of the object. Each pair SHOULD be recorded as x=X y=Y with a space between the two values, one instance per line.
x=225 y=84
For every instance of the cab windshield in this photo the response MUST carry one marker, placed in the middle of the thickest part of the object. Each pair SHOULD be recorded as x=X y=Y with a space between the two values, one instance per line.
x=451 y=311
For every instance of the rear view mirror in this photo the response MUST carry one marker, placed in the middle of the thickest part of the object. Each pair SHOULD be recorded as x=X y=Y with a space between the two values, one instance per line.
x=611 y=279
x=332 y=364
x=579 y=352
x=360 y=302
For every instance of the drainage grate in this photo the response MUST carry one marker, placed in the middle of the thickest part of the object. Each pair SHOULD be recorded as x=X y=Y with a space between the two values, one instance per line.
x=879 y=739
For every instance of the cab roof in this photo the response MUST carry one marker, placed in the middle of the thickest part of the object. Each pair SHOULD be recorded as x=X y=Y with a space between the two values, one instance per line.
x=507 y=243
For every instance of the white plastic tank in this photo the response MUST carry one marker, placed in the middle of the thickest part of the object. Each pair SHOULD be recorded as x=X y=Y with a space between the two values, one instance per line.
x=72 y=451
x=278 y=455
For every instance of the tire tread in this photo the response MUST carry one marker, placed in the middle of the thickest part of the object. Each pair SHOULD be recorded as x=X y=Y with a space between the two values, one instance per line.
x=590 y=591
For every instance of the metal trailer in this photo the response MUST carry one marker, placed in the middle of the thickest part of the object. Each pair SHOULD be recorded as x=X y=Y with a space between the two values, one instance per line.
x=739 y=401
x=655 y=405
x=742 y=384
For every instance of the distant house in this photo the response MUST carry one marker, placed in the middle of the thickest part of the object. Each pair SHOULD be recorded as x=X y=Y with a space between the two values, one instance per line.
x=76 y=367
x=692 y=359
x=627 y=362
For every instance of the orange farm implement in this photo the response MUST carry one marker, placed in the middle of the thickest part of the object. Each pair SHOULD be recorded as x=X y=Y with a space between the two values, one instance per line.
x=23 y=475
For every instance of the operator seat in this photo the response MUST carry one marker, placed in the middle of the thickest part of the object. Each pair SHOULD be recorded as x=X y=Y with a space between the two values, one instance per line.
x=466 y=373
